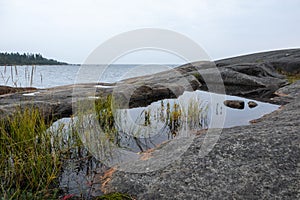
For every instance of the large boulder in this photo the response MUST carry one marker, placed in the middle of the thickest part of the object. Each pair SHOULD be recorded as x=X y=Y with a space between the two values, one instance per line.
x=252 y=80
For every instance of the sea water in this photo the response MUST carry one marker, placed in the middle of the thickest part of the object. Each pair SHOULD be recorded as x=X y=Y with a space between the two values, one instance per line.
x=48 y=76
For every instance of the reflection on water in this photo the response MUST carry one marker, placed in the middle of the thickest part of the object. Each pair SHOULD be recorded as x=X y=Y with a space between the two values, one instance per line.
x=79 y=166
x=146 y=127
x=79 y=177
x=142 y=128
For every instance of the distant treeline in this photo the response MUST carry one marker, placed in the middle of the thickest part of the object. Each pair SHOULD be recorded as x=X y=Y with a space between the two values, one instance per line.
x=26 y=59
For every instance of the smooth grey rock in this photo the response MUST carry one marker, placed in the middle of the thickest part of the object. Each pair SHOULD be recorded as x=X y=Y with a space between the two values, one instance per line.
x=252 y=80
x=8 y=90
x=287 y=60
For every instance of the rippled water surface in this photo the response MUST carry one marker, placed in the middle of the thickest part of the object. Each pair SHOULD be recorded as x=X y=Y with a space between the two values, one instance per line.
x=57 y=75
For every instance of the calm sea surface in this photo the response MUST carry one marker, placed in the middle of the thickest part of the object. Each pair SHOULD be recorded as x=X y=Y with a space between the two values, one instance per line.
x=51 y=76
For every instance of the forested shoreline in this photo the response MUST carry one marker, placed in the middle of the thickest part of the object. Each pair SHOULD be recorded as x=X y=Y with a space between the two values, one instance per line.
x=26 y=59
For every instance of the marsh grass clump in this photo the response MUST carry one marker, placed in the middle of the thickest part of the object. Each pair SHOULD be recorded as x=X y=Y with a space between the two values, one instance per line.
x=197 y=76
x=173 y=118
x=66 y=139
x=33 y=156
x=104 y=111
x=291 y=77
x=193 y=116
x=29 y=165
x=95 y=124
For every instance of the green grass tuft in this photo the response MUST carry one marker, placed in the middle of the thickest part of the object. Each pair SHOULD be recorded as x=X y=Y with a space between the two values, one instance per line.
x=29 y=166
x=291 y=77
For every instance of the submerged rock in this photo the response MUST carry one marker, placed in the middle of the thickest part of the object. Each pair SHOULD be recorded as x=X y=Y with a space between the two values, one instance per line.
x=252 y=104
x=236 y=104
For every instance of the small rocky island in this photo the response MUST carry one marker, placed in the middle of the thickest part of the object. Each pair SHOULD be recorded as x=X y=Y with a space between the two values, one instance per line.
x=258 y=161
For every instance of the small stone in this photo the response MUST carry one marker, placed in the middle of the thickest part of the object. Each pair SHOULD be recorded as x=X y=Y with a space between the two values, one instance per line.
x=252 y=104
x=236 y=104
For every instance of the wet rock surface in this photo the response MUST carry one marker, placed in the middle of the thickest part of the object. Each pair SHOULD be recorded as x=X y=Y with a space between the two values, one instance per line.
x=259 y=161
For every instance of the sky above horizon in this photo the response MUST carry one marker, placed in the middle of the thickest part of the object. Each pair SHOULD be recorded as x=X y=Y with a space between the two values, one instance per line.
x=69 y=30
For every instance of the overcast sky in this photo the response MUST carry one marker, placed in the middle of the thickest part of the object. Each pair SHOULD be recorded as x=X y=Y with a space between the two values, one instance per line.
x=69 y=30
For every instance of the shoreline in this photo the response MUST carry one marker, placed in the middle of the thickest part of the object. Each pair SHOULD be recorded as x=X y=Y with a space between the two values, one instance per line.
x=258 y=81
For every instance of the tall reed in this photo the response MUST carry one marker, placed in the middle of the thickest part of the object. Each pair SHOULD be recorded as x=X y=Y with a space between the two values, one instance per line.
x=13 y=76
